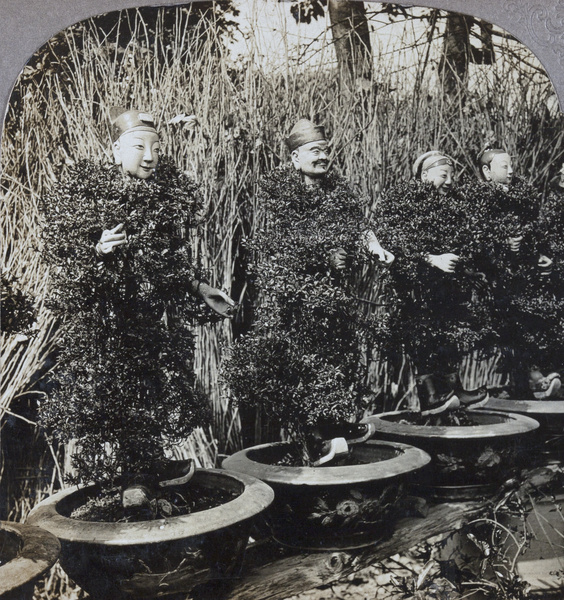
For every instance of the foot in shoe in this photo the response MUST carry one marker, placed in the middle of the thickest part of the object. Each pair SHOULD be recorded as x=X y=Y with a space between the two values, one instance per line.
x=367 y=431
x=542 y=384
x=354 y=433
x=473 y=398
x=450 y=402
x=331 y=449
x=539 y=383
x=552 y=391
x=177 y=472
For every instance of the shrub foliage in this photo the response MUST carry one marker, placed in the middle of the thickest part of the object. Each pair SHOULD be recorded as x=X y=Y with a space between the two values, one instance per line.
x=124 y=383
x=301 y=359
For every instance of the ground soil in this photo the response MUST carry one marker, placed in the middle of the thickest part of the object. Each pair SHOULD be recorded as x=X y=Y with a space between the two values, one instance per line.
x=173 y=502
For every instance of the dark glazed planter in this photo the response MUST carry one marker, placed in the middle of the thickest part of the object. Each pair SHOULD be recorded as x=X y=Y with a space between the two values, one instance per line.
x=468 y=461
x=332 y=507
x=26 y=553
x=549 y=414
x=147 y=559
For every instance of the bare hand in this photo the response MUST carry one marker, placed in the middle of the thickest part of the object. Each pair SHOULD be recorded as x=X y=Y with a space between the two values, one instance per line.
x=444 y=262
x=375 y=248
x=110 y=239
x=383 y=255
x=386 y=257
x=545 y=265
x=338 y=259
x=217 y=300
x=515 y=243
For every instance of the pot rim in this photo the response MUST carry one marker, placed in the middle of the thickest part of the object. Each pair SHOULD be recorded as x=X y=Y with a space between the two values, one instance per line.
x=39 y=551
x=255 y=497
x=410 y=459
x=517 y=425
x=533 y=407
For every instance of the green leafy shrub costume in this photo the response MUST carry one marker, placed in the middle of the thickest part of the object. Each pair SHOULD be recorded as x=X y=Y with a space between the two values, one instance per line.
x=301 y=359
x=18 y=308
x=436 y=317
x=551 y=243
x=124 y=383
x=529 y=305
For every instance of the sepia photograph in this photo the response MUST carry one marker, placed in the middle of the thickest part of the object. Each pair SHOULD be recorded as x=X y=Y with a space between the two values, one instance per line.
x=282 y=310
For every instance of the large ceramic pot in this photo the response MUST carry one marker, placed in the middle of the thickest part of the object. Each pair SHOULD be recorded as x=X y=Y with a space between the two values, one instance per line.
x=26 y=553
x=160 y=557
x=332 y=507
x=549 y=414
x=468 y=461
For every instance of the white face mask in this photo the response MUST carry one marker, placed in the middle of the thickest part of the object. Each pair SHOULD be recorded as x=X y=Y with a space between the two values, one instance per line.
x=138 y=153
x=500 y=169
x=440 y=177
x=312 y=159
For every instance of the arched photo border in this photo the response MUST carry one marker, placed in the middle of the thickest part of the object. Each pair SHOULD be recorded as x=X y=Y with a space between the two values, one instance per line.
x=25 y=26
x=28 y=24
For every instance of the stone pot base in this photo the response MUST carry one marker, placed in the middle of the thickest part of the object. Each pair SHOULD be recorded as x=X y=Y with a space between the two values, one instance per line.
x=332 y=507
x=26 y=553
x=468 y=460
x=150 y=559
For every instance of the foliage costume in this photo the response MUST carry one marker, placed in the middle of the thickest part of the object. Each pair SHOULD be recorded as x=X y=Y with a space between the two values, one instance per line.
x=549 y=231
x=435 y=317
x=300 y=361
x=529 y=305
x=126 y=348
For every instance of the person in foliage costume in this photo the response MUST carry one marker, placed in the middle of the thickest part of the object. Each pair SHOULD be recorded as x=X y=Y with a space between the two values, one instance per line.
x=439 y=292
x=125 y=281
x=529 y=300
x=301 y=359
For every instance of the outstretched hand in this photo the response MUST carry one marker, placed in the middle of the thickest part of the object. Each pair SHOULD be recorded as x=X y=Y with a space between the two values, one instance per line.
x=478 y=278
x=374 y=247
x=384 y=256
x=111 y=238
x=217 y=300
x=445 y=262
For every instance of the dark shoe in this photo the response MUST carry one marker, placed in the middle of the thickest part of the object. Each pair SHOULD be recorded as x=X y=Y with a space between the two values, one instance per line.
x=366 y=431
x=544 y=387
x=468 y=398
x=177 y=472
x=445 y=404
x=432 y=400
x=354 y=433
x=474 y=398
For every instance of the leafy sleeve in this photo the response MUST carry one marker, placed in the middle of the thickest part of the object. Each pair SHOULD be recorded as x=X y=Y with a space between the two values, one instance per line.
x=72 y=224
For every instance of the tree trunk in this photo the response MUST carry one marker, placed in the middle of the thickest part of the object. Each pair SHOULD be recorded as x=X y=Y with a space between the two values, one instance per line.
x=351 y=37
x=456 y=54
